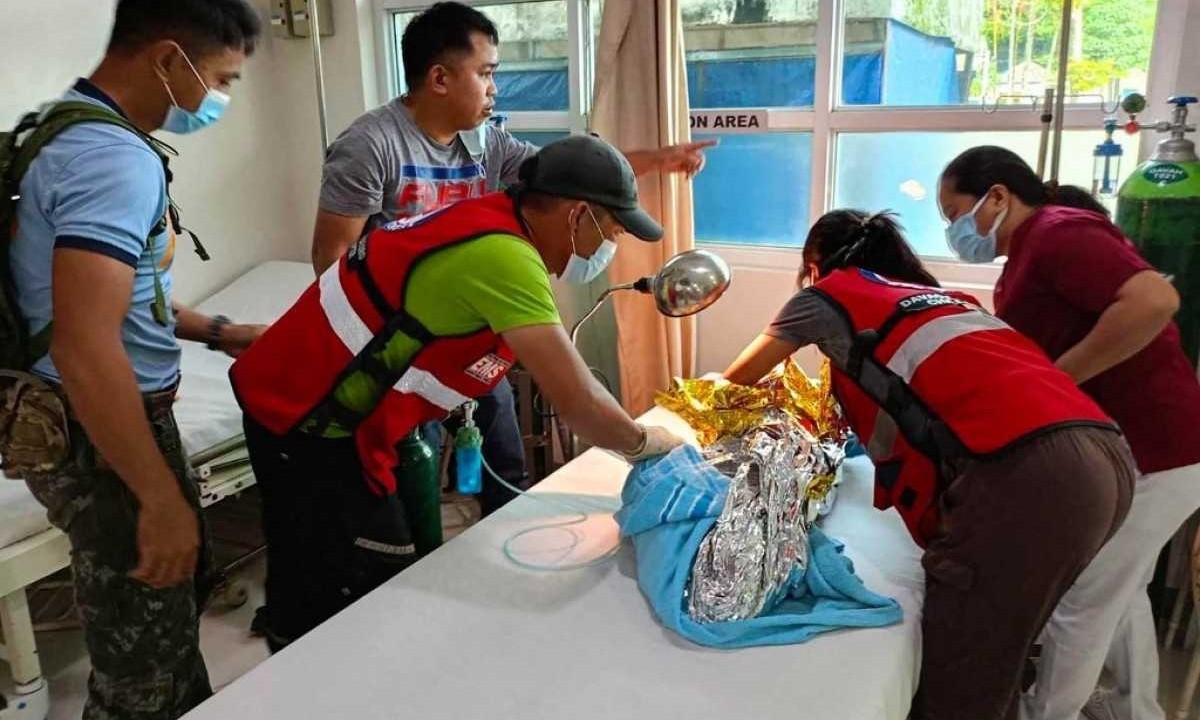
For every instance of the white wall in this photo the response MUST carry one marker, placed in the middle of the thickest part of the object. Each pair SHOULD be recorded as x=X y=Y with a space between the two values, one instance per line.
x=349 y=90
x=247 y=186
x=1174 y=63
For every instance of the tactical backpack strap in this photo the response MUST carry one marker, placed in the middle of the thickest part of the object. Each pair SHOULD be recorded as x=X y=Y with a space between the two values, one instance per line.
x=36 y=131
x=39 y=129
x=48 y=125
x=59 y=117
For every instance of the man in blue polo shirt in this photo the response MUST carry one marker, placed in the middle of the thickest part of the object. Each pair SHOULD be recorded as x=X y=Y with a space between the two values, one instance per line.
x=93 y=254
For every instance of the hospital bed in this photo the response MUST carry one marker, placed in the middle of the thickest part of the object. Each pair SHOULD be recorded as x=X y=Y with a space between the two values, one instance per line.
x=465 y=633
x=210 y=424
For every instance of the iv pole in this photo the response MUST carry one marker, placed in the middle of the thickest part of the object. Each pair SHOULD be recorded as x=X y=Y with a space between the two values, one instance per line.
x=1064 y=56
x=1044 y=140
x=314 y=28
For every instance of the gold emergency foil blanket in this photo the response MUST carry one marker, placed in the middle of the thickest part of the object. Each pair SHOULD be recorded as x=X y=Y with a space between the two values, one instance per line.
x=780 y=442
x=719 y=409
x=758 y=549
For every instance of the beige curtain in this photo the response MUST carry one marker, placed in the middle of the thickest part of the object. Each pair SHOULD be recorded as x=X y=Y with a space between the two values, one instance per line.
x=641 y=102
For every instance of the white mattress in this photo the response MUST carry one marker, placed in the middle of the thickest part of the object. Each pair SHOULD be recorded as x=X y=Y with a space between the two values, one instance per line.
x=20 y=515
x=207 y=411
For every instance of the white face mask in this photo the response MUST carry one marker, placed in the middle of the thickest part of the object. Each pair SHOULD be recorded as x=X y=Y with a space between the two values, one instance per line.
x=475 y=141
x=580 y=270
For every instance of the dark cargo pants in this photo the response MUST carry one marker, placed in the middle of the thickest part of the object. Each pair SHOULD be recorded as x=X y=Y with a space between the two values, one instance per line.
x=1018 y=528
x=144 y=643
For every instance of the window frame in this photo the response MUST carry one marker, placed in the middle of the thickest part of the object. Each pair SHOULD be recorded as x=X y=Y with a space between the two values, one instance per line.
x=580 y=63
x=829 y=117
x=825 y=120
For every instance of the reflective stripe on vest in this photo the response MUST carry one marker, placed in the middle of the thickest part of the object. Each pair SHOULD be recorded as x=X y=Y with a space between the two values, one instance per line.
x=422 y=383
x=340 y=314
x=355 y=335
x=930 y=337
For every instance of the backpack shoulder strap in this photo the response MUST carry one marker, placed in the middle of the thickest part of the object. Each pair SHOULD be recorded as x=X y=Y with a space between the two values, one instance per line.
x=63 y=115
x=42 y=128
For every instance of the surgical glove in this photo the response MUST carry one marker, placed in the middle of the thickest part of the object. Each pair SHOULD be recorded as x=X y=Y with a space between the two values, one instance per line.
x=658 y=441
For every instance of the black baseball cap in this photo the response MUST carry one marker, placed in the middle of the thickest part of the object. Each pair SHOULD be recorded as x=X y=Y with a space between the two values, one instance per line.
x=584 y=167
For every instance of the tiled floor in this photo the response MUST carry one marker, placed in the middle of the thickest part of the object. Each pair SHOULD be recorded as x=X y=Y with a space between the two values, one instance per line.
x=230 y=651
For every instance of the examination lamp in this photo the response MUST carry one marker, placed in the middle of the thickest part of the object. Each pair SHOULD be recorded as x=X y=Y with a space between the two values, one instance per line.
x=689 y=282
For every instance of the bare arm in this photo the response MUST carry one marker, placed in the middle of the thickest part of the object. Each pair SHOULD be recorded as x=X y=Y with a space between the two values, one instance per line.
x=758 y=359
x=195 y=326
x=1143 y=307
x=332 y=236
x=90 y=300
x=564 y=378
x=687 y=158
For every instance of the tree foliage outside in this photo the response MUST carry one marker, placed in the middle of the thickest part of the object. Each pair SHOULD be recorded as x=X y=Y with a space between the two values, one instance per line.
x=1012 y=44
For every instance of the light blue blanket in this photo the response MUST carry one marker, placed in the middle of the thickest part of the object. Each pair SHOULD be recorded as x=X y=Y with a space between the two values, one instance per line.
x=669 y=505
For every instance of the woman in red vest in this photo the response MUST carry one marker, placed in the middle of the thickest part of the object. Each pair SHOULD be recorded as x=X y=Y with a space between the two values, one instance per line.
x=1009 y=476
x=1078 y=287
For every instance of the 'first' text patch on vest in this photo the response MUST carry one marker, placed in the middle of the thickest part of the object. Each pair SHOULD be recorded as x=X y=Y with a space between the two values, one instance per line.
x=489 y=368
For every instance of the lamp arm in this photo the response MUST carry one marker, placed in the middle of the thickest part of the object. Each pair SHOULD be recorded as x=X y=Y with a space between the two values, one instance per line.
x=596 y=307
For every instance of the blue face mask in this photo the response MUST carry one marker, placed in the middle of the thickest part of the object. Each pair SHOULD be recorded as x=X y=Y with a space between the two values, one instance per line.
x=582 y=271
x=964 y=239
x=212 y=107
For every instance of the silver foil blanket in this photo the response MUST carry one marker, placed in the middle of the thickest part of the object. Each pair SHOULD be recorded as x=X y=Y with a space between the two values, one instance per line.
x=782 y=480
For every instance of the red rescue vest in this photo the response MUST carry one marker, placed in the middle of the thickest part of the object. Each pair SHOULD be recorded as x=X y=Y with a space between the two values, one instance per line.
x=933 y=377
x=285 y=380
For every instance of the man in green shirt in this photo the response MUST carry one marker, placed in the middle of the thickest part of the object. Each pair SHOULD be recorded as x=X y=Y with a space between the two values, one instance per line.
x=419 y=317
x=432 y=147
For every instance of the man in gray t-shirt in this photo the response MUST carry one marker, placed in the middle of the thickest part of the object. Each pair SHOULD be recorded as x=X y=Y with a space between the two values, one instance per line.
x=433 y=147
x=386 y=167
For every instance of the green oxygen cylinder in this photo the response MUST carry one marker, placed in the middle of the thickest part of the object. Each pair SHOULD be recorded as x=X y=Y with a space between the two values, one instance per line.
x=418 y=487
x=1158 y=208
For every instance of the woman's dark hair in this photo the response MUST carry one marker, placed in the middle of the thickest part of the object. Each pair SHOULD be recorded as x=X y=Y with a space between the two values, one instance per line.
x=444 y=28
x=876 y=242
x=1073 y=196
x=976 y=170
x=200 y=25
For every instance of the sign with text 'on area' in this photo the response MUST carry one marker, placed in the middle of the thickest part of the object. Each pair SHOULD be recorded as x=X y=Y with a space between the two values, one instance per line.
x=728 y=121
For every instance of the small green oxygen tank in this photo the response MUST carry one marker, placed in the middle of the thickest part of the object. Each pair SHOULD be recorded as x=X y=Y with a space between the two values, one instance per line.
x=1158 y=208
x=418 y=486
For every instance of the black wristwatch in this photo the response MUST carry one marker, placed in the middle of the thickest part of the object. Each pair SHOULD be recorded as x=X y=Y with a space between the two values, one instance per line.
x=215 y=328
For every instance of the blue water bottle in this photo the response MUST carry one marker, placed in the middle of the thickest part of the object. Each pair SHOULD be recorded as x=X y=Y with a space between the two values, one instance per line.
x=468 y=454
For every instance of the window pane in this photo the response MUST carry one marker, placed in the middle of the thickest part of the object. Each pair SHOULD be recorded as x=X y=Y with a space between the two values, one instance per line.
x=754 y=190
x=1111 y=55
x=951 y=52
x=899 y=171
x=750 y=53
x=533 y=54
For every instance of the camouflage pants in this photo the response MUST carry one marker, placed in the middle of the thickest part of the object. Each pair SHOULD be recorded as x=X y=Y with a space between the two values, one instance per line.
x=143 y=642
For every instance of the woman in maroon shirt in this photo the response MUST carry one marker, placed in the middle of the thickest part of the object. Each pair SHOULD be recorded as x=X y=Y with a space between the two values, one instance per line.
x=1078 y=287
